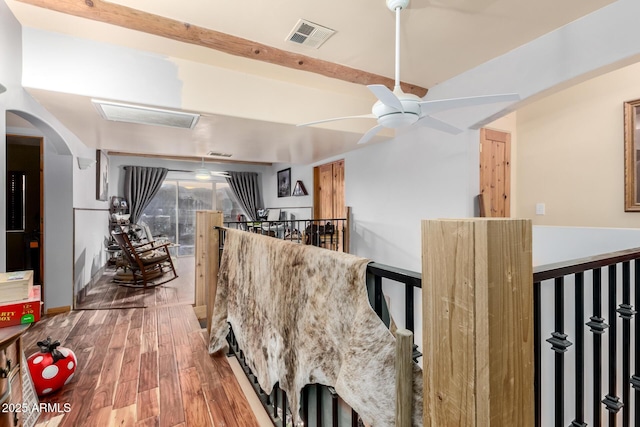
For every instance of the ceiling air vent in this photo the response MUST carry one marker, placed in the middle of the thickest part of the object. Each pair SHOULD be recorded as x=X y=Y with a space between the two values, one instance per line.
x=129 y=113
x=309 y=34
x=217 y=154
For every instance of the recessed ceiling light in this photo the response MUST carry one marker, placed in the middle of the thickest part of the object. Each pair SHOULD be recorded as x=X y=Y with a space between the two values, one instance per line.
x=130 y=113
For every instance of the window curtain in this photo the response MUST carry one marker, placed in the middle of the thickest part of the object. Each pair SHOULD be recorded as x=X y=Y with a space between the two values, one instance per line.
x=246 y=189
x=140 y=186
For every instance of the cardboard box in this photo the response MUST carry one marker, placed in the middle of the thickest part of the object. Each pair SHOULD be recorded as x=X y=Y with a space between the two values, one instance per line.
x=15 y=285
x=20 y=312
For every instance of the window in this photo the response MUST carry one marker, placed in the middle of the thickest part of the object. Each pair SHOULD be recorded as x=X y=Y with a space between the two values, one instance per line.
x=226 y=202
x=172 y=212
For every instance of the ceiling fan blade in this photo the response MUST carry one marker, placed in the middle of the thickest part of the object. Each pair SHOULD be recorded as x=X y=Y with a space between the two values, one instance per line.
x=223 y=174
x=362 y=116
x=435 y=106
x=439 y=125
x=387 y=97
x=370 y=134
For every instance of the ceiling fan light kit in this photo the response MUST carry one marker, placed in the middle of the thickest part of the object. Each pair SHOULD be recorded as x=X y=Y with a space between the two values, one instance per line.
x=396 y=109
x=202 y=174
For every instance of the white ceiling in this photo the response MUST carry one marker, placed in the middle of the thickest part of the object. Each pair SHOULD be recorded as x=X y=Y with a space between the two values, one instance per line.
x=440 y=39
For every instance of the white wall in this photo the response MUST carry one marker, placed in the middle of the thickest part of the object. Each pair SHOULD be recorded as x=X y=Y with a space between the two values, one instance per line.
x=576 y=137
x=58 y=149
x=553 y=244
x=301 y=207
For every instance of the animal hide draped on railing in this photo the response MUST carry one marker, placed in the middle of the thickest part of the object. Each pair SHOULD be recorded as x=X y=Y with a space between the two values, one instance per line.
x=301 y=316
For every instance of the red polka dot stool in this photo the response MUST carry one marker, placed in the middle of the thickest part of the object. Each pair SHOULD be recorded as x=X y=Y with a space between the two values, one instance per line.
x=52 y=368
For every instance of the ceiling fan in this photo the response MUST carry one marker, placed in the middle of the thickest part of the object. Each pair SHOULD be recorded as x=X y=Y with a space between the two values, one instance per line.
x=204 y=174
x=396 y=109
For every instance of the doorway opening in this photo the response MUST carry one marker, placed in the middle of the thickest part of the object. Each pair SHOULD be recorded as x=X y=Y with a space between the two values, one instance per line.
x=25 y=205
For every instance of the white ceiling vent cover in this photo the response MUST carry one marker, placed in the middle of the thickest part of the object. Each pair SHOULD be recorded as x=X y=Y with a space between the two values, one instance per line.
x=218 y=154
x=129 y=113
x=307 y=33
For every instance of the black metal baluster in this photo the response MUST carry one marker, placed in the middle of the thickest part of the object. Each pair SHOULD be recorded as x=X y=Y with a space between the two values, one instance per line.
x=334 y=407
x=559 y=344
x=284 y=408
x=611 y=401
x=408 y=303
x=626 y=312
x=579 y=321
x=378 y=296
x=319 y=405
x=305 y=405
x=537 y=339
x=635 y=380
x=597 y=326
x=275 y=401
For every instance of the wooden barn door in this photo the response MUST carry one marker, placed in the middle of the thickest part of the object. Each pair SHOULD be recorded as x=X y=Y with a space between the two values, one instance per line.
x=329 y=191
x=495 y=172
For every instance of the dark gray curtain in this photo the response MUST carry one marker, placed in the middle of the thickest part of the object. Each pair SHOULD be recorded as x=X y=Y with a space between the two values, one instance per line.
x=140 y=185
x=246 y=189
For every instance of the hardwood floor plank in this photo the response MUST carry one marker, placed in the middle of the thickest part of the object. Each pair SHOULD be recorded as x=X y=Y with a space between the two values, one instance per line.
x=124 y=316
x=196 y=411
x=171 y=407
x=179 y=331
x=148 y=404
x=51 y=422
x=103 y=395
x=119 y=338
x=99 y=417
x=111 y=366
x=238 y=410
x=149 y=342
x=196 y=343
x=150 y=321
x=126 y=394
x=134 y=336
x=130 y=364
x=136 y=318
x=184 y=357
x=149 y=422
x=216 y=405
x=148 y=371
x=123 y=417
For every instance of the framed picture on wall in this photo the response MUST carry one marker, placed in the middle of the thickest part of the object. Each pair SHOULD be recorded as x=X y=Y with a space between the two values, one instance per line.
x=284 y=183
x=632 y=156
x=102 y=175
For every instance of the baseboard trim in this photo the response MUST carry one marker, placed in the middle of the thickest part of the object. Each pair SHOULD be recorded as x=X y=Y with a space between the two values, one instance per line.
x=58 y=310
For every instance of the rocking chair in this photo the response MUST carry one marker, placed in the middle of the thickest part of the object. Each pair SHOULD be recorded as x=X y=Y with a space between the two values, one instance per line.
x=147 y=262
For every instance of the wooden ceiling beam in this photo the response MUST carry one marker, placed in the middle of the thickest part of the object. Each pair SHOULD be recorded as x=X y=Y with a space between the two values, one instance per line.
x=138 y=20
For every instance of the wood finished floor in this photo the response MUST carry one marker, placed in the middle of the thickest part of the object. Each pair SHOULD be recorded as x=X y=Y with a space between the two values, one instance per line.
x=105 y=294
x=141 y=367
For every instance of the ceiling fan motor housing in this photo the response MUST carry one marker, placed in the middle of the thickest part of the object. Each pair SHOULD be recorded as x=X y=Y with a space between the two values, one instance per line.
x=389 y=117
x=394 y=4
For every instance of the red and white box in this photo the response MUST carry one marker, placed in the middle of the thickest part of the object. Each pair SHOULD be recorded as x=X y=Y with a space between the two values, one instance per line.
x=21 y=312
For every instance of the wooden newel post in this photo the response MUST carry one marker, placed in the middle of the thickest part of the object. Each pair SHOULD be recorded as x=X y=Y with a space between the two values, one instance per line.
x=404 y=377
x=477 y=323
x=207 y=261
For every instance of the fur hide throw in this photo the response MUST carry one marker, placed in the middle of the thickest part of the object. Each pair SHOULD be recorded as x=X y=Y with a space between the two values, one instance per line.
x=301 y=315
